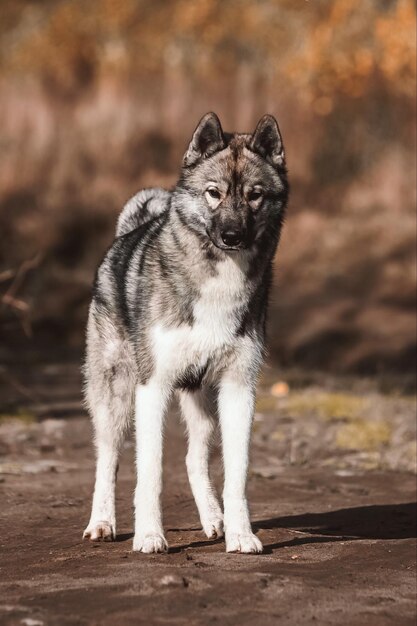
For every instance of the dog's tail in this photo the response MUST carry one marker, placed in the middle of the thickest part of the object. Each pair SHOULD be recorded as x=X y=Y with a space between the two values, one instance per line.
x=144 y=206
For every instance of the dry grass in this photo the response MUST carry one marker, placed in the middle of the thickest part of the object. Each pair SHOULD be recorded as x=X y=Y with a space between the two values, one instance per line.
x=327 y=406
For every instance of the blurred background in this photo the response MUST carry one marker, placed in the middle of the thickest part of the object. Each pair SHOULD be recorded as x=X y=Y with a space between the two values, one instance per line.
x=99 y=99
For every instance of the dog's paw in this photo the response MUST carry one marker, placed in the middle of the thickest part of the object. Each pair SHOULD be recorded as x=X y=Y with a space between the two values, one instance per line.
x=246 y=543
x=149 y=543
x=213 y=527
x=100 y=531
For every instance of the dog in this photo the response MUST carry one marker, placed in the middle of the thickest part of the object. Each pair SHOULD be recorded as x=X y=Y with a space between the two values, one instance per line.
x=179 y=307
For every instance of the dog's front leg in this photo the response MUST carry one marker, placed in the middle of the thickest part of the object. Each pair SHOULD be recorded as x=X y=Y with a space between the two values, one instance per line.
x=150 y=405
x=236 y=406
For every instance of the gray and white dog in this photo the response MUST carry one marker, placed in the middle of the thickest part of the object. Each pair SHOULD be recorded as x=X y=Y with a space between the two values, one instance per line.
x=179 y=305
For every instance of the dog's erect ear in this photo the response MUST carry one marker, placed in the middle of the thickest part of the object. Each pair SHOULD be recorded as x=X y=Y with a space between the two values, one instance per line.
x=267 y=141
x=207 y=139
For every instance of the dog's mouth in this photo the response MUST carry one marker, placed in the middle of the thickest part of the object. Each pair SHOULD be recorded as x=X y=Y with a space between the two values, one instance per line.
x=228 y=248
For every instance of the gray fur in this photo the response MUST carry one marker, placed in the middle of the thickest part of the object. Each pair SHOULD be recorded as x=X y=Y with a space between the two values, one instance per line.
x=144 y=206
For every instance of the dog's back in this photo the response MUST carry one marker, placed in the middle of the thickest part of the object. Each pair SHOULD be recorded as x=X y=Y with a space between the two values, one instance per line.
x=144 y=206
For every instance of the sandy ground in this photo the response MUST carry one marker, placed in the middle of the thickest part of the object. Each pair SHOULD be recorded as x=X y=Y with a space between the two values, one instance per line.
x=337 y=522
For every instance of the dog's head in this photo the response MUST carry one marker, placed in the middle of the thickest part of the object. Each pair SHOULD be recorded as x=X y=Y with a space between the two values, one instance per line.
x=233 y=187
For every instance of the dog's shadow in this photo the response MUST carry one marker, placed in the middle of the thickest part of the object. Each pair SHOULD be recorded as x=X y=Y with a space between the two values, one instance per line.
x=378 y=521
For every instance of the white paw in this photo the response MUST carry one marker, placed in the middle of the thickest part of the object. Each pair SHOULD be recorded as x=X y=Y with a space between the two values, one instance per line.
x=100 y=531
x=244 y=543
x=213 y=527
x=149 y=543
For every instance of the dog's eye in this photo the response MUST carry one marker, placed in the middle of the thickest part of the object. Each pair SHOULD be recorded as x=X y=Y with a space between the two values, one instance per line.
x=254 y=195
x=214 y=193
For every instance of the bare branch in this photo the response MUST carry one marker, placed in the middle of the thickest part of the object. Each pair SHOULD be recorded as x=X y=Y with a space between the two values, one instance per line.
x=10 y=300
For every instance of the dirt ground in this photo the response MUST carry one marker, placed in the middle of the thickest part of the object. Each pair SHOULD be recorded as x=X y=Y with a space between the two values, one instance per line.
x=332 y=496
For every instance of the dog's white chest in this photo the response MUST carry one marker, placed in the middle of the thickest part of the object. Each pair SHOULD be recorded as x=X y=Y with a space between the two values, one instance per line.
x=217 y=315
x=221 y=296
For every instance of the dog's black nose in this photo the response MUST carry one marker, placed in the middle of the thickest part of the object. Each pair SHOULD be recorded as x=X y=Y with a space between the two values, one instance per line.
x=231 y=238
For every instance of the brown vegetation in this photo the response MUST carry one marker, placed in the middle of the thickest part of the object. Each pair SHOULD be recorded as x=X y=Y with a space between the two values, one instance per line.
x=98 y=99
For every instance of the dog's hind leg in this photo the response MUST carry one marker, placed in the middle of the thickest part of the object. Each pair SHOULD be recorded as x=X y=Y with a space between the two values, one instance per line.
x=108 y=440
x=200 y=425
x=110 y=388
